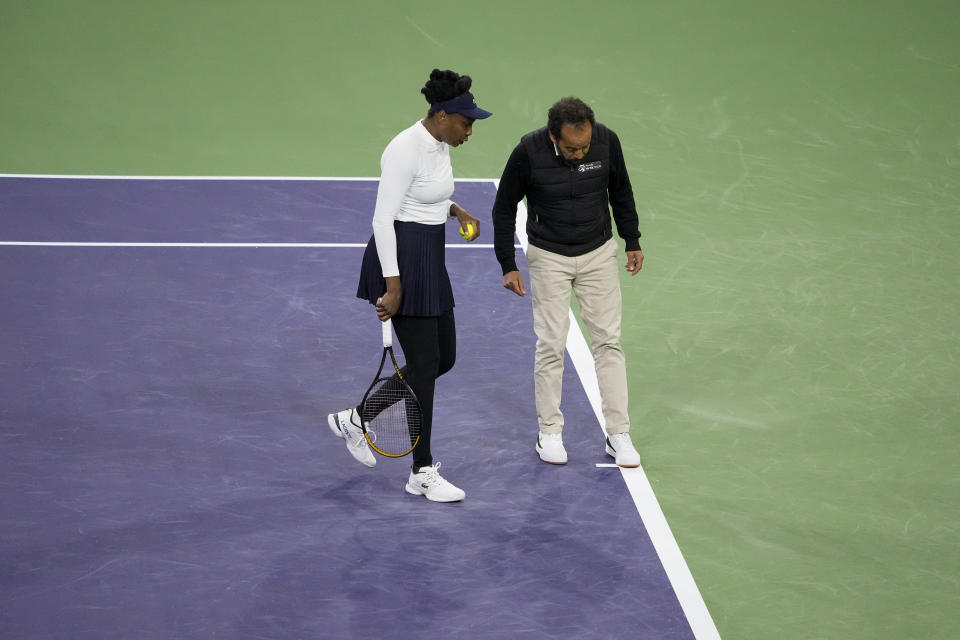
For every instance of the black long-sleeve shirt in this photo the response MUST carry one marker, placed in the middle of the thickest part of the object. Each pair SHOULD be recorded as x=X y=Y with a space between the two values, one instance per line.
x=554 y=189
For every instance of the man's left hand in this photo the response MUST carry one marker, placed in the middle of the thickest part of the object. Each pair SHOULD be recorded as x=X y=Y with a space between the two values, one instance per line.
x=634 y=262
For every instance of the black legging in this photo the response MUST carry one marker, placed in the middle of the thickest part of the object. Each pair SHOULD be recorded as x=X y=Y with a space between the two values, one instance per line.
x=430 y=348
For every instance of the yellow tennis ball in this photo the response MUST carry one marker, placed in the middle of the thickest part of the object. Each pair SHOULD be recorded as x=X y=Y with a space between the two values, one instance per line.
x=469 y=232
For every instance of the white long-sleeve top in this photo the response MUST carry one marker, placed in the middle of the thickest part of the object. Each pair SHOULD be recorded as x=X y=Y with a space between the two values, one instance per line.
x=416 y=182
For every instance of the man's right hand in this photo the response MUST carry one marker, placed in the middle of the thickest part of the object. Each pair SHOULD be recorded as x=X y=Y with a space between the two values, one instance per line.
x=514 y=281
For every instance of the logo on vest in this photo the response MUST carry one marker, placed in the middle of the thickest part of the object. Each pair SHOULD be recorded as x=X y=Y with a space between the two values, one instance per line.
x=589 y=166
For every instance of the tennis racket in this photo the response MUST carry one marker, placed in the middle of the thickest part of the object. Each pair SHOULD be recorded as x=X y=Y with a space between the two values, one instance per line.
x=390 y=412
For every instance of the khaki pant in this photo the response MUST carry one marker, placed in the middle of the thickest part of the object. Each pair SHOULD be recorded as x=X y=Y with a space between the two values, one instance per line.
x=595 y=279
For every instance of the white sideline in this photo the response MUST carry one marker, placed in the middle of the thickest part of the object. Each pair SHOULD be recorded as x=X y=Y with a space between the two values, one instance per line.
x=691 y=600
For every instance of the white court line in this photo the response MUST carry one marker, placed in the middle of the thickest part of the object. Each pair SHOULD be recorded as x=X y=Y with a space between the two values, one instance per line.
x=244 y=245
x=61 y=176
x=292 y=245
x=325 y=245
x=691 y=600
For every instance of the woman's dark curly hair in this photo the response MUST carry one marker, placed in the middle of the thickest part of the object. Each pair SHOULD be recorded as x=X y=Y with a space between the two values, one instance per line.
x=444 y=85
x=568 y=111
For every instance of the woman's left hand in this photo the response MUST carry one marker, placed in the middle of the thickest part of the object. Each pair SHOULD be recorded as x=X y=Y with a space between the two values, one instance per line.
x=466 y=218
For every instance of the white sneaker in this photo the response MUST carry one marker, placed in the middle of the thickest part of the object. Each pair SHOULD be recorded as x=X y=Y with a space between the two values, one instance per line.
x=427 y=482
x=620 y=446
x=550 y=448
x=346 y=425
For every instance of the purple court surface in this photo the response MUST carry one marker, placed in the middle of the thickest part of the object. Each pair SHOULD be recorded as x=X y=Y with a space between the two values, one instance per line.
x=169 y=351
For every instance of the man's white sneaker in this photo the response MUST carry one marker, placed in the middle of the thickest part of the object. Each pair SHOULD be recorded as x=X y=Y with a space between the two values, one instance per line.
x=427 y=482
x=550 y=448
x=620 y=446
x=346 y=425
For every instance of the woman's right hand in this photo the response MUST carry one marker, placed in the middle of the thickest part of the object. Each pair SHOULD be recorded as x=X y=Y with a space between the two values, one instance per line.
x=389 y=303
x=387 y=306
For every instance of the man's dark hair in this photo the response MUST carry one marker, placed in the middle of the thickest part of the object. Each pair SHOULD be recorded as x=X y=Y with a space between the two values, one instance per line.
x=568 y=111
x=445 y=85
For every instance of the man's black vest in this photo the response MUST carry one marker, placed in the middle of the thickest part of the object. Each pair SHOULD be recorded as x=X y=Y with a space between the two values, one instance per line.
x=567 y=205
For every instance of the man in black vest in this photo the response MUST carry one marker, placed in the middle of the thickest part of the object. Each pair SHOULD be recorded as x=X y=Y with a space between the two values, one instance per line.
x=572 y=174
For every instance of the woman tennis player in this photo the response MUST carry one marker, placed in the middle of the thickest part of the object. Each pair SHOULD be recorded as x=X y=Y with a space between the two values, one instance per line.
x=403 y=272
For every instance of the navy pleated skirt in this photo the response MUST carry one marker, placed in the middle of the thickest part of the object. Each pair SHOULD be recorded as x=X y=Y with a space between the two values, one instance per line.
x=423 y=271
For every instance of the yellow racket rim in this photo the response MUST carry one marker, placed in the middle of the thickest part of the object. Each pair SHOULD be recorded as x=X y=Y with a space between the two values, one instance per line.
x=390 y=455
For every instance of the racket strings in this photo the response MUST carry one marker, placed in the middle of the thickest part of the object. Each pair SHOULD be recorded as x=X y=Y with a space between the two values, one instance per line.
x=392 y=417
